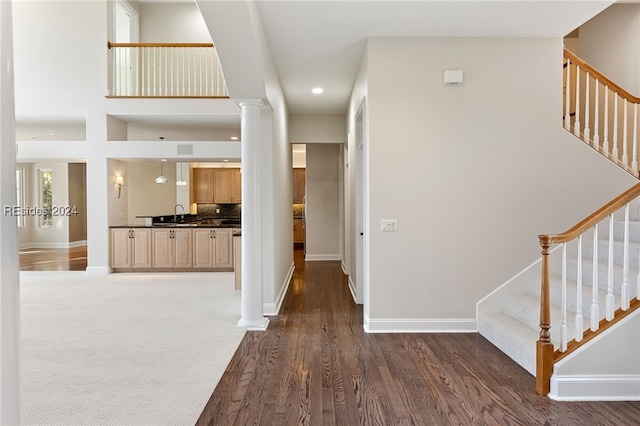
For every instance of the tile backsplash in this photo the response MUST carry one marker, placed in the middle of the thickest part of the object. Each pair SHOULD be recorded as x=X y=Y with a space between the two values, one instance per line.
x=226 y=210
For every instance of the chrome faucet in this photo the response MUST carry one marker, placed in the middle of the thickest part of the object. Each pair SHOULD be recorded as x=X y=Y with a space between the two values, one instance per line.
x=175 y=212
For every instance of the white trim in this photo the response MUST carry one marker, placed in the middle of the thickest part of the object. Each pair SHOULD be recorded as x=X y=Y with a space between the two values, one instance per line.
x=80 y=243
x=321 y=257
x=595 y=388
x=344 y=268
x=420 y=325
x=271 y=309
x=98 y=270
x=352 y=289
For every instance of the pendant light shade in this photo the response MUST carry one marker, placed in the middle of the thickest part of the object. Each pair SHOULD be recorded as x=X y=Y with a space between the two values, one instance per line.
x=181 y=181
x=161 y=178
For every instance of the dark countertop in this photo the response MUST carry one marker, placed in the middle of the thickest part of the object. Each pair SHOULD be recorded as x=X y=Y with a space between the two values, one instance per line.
x=179 y=225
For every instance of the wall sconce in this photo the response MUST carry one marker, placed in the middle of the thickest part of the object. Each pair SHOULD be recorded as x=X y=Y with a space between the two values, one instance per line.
x=119 y=183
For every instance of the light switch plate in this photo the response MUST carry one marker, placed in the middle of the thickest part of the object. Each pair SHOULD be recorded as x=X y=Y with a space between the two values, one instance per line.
x=389 y=225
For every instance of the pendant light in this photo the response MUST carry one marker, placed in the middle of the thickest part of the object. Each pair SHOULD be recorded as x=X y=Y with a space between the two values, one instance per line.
x=181 y=181
x=161 y=178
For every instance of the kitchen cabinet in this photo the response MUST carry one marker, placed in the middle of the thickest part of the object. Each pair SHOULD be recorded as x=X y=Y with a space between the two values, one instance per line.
x=212 y=248
x=298 y=231
x=203 y=184
x=130 y=248
x=299 y=185
x=219 y=186
x=172 y=248
x=227 y=186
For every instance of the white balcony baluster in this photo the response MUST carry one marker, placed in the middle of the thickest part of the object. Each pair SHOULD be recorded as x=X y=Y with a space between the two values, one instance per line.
x=595 y=310
x=605 y=143
x=576 y=124
x=634 y=161
x=587 y=131
x=624 y=293
x=625 y=156
x=567 y=110
x=614 y=150
x=564 y=329
x=610 y=299
x=596 y=118
x=579 y=322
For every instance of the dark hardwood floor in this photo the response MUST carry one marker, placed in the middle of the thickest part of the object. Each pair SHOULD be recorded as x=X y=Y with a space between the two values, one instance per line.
x=315 y=365
x=72 y=259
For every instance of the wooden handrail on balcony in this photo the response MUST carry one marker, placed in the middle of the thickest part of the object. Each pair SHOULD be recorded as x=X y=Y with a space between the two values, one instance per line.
x=165 y=70
x=112 y=44
x=603 y=79
x=545 y=356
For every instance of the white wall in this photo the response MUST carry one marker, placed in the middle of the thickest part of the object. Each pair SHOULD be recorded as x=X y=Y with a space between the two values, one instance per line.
x=317 y=129
x=46 y=37
x=171 y=23
x=323 y=201
x=145 y=197
x=610 y=42
x=472 y=173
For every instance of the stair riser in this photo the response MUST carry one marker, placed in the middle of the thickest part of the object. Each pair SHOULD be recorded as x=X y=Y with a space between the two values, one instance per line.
x=618 y=253
x=603 y=275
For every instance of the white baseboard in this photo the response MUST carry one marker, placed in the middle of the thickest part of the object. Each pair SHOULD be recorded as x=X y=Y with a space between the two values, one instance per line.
x=98 y=270
x=271 y=309
x=26 y=246
x=319 y=257
x=352 y=289
x=595 y=388
x=420 y=325
x=344 y=268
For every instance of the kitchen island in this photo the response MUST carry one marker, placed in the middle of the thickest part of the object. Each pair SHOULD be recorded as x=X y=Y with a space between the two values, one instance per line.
x=174 y=246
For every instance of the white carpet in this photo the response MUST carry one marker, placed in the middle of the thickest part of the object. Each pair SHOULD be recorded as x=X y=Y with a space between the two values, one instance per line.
x=124 y=349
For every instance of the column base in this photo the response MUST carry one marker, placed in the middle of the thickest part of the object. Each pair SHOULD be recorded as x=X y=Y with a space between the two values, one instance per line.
x=258 y=325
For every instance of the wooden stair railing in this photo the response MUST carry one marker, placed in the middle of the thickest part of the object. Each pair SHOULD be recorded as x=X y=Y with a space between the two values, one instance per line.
x=546 y=356
x=592 y=99
x=165 y=70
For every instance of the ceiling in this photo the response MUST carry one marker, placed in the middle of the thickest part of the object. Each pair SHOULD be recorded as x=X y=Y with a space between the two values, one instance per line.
x=320 y=43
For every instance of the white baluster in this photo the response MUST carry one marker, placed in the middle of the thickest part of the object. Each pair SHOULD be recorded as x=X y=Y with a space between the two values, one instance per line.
x=564 y=338
x=596 y=118
x=595 y=310
x=576 y=124
x=605 y=144
x=610 y=299
x=587 y=131
x=614 y=151
x=634 y=161
x=625 y=262
x=579 y=317
x=567 y=111
x=625 y=157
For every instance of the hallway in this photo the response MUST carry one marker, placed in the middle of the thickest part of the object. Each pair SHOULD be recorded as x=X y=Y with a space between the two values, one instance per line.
x=315 y=365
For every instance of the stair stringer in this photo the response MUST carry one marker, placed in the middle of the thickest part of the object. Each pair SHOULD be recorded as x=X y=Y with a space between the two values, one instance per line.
x=604 y=369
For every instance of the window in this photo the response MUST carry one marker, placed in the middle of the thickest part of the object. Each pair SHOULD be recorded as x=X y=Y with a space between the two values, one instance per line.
x=20 y=196
x=46 y=197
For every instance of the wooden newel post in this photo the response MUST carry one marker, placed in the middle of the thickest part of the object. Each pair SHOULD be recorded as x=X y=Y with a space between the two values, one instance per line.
x=544 y=347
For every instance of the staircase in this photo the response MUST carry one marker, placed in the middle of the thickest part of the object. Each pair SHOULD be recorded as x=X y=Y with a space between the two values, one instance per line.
x=513 y=325
x=593 y=268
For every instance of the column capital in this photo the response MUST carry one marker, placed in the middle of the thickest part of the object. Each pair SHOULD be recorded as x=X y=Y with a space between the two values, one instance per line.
x=251 y=103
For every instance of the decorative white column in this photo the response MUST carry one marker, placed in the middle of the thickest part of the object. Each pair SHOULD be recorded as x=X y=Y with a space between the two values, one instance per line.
x=9 y=262
x=252 y=316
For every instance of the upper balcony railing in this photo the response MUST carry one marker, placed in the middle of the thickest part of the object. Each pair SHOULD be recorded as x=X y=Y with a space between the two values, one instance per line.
x=165 y=70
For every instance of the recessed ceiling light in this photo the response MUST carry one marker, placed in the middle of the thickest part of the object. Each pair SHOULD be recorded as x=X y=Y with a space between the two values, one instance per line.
x=51 y=133
x=317 y=90
x=225 y=160
x=234 y=138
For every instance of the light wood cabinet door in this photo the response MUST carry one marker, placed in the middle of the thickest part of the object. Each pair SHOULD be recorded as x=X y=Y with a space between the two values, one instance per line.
x=299 y=185
x=130 y=248
x=172 y=248
x=141 y=248
x=182 y=248
x=121 y=248
x=203 y=248
x=162 y=252
x=237 y=186
x=203 y=183
x=223 y=252
x=227 y=186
